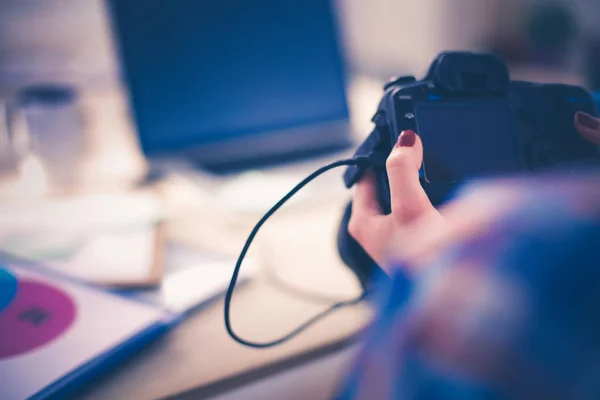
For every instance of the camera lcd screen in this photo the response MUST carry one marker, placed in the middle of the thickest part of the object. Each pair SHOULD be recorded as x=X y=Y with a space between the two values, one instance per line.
x=465 y=140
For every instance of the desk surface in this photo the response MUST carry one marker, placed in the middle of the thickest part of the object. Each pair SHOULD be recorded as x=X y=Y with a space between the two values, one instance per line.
x=199 y=352
x=301 y=274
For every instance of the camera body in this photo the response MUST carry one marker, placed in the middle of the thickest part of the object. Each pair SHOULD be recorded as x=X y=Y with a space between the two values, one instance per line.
x=475 y=123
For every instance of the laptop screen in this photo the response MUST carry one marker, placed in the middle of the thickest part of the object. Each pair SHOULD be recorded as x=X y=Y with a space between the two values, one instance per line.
x=199 y=72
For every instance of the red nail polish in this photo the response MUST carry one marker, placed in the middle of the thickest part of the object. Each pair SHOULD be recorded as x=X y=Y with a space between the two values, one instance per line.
x=588 y=121
x=407 y=139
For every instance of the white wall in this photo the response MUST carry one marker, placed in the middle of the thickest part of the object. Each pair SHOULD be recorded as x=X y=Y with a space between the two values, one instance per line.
x=63 y=39
x=401 y=35
x=71 y=38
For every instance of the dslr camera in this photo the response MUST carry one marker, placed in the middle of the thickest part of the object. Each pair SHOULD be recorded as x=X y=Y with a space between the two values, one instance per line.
x=475 y=123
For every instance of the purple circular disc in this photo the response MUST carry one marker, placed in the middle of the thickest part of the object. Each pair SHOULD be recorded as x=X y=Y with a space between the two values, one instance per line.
x=38 y=314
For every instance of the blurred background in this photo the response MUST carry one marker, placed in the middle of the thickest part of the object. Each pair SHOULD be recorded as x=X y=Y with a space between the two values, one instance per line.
x=72 y=46
x=204 y=104
x=141 y=138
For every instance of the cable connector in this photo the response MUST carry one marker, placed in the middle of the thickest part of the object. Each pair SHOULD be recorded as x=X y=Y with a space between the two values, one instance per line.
x=376 y=159
x=360 y=164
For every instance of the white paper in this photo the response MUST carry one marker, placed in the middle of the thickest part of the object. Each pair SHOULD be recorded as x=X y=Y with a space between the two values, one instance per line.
x=193 y=286
x=125 y=257
x=96 y=237
x=102 y=322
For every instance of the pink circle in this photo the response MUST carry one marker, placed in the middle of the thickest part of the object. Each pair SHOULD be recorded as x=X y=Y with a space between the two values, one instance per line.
x=38 y=314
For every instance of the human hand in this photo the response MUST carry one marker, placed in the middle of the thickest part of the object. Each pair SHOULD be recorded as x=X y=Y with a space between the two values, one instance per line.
x=374 y=230
x=415 y=226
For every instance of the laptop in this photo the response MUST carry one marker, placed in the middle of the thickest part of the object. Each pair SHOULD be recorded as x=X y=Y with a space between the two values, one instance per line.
x=233 y=84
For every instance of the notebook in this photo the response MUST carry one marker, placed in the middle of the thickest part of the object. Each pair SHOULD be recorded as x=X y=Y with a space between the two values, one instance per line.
x=56 y=334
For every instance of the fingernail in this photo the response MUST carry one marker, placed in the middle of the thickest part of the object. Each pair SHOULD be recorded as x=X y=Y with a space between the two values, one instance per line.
x=588 y=121
x=407 y=139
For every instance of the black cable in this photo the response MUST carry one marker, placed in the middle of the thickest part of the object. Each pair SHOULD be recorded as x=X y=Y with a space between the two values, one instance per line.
x=358 y=161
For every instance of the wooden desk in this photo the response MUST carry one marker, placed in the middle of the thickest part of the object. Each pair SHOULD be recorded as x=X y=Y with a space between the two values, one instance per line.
x=199 y=352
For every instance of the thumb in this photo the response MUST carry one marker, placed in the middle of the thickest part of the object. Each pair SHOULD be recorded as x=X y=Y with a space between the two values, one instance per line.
x=408 y=199
x=588 y=127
